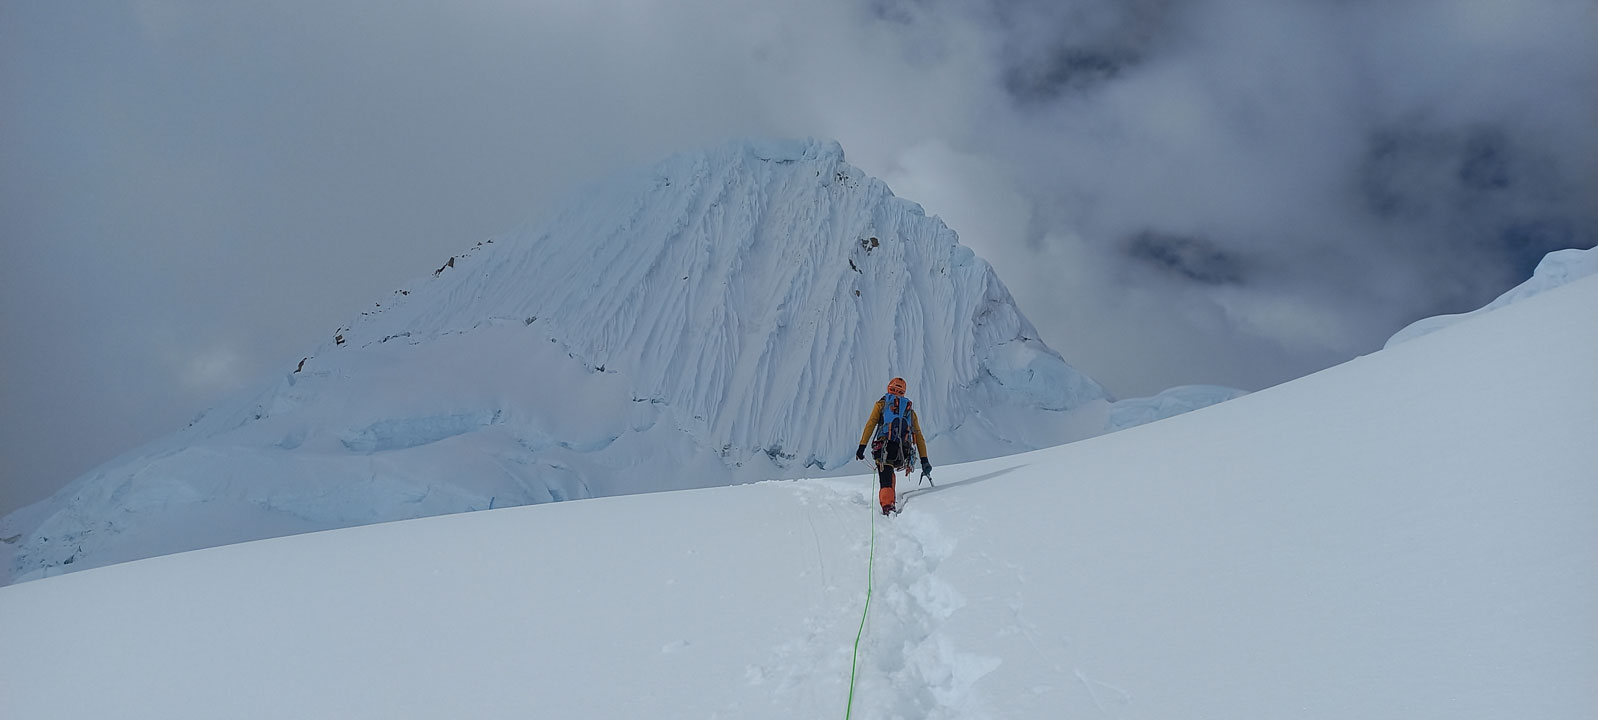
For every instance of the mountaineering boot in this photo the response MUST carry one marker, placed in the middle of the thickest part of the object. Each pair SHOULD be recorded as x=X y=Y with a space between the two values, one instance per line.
x=885 y=499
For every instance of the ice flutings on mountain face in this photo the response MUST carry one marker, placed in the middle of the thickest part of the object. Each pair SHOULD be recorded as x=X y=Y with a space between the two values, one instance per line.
x=730 y=314
x=763 y=292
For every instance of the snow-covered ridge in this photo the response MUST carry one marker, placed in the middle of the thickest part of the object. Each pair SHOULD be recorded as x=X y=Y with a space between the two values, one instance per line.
x=1556 y=268
x=723 y=316
x=1171 y=402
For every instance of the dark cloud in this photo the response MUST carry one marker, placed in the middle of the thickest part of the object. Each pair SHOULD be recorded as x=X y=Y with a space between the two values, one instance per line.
x=193 y=194
x=1489 y=193
x=1316 y=174
x=1067 y=70
x=1191 y=258
x=1054 y=50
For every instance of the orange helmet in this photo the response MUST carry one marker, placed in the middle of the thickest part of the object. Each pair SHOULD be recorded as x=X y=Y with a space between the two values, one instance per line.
x=896 y=386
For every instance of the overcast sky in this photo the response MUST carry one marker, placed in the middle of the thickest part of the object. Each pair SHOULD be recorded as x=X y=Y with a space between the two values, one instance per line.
x=1236 y=192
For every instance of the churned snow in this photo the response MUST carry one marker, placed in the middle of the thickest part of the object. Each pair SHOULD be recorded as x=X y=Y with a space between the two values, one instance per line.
x=725 y=316
x=1408 y=535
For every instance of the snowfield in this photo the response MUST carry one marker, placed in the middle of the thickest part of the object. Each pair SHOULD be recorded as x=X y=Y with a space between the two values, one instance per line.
x=1410 y=535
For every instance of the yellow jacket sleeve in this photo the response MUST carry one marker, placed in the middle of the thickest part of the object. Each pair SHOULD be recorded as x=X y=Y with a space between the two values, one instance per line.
x=872 y=422
x=915 y=424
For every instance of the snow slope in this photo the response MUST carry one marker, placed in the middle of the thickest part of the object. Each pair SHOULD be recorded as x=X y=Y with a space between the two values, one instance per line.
x=1413 y=534
x=724 y=316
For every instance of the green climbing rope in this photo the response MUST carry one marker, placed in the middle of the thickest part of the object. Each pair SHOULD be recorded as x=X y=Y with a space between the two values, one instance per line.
x=871 y=561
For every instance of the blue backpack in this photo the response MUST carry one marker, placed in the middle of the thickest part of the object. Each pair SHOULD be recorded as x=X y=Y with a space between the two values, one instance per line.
x=895 y=438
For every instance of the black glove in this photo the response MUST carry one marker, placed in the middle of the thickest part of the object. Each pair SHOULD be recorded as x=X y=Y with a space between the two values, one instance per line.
x=926 y=466
x=860 y=454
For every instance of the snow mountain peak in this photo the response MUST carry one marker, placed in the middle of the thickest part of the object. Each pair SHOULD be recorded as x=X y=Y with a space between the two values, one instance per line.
x=730 y=314
x=765 y=292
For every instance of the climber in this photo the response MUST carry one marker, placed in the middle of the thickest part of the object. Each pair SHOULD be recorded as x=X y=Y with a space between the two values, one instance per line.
x=895 y=442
